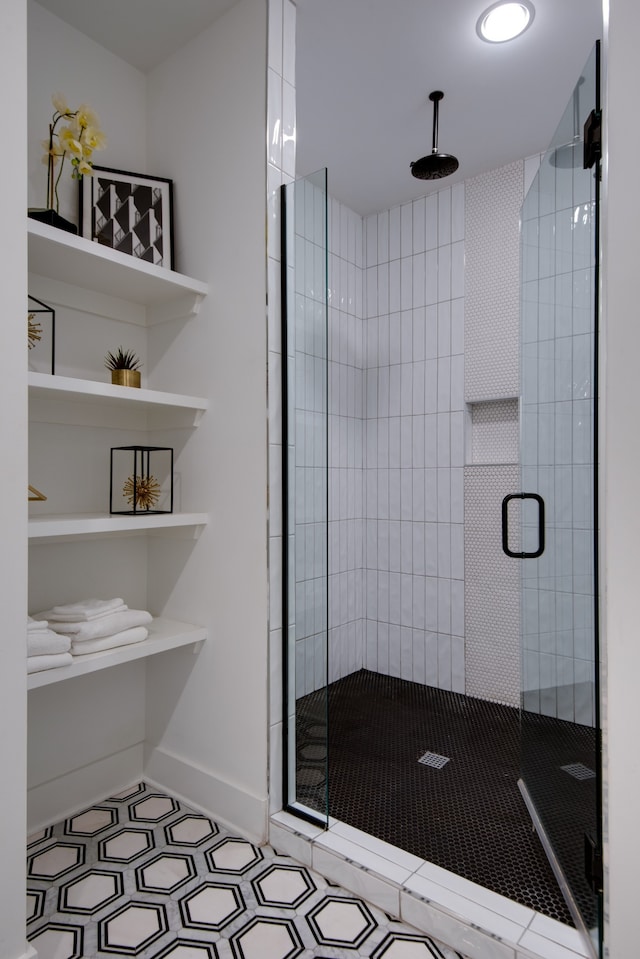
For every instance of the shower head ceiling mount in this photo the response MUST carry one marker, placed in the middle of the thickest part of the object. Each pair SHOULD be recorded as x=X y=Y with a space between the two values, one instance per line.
x=435 y=165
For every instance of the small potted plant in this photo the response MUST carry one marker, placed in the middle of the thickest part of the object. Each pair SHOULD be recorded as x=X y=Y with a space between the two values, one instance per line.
x=124 y=366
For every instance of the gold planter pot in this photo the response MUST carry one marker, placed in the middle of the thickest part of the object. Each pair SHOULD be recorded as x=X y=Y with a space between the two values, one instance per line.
x=125 y=377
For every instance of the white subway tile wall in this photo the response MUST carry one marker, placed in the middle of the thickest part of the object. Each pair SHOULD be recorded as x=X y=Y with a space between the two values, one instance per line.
x=308 y=452
x=414 y=440
x=557 y=431
x=346 y=442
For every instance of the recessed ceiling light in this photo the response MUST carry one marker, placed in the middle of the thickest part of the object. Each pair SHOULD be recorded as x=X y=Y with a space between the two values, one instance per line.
x=504 y=21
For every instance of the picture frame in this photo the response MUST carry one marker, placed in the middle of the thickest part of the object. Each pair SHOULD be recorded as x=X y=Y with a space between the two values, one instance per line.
x=129 y=212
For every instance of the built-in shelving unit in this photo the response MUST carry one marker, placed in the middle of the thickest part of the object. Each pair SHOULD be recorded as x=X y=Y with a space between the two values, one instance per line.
x=86 y=277
x=164 y=634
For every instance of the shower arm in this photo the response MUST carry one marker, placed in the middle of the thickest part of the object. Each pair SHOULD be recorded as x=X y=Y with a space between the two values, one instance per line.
x=435 y=98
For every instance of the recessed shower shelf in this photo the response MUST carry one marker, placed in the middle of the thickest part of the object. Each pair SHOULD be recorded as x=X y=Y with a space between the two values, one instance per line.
x=164 y=634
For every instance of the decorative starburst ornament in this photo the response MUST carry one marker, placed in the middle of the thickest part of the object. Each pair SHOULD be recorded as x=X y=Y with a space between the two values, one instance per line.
x=34 y=333
x=142 y=492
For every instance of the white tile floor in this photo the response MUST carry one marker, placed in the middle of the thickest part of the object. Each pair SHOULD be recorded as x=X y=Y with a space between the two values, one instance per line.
x=141 y=874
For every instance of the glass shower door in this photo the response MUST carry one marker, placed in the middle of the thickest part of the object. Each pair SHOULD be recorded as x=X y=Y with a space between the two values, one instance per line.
x=560 y=736
x=304 y=261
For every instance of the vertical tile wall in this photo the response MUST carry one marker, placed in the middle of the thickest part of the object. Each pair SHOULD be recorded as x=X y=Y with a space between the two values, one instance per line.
x=557 y=436
x=308 y=446
x=346 y=430
x=414 y=451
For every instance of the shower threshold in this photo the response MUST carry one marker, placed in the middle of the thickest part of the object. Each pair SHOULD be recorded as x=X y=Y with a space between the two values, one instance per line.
x=476 y=922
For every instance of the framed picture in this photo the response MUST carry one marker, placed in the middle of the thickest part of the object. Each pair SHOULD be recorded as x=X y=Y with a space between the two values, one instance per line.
x=130 y=212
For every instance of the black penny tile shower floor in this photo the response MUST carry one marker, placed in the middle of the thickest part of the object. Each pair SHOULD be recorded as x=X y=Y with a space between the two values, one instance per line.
x=466 y=815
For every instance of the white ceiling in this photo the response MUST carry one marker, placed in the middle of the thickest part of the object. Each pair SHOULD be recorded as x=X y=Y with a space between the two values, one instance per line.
x=365 y=68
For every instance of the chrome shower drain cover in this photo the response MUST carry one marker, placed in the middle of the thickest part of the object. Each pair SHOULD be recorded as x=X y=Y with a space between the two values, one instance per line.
x=434 y=760
x=579 y=771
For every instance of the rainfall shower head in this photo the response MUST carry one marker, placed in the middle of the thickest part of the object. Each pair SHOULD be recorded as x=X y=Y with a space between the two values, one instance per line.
x=435 y=165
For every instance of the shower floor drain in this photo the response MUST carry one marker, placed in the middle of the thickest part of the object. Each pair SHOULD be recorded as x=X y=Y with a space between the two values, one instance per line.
x=579 y=771
x=434 y=760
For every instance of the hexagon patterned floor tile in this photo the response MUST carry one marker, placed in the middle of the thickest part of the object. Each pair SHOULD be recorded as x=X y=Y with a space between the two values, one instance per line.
x=140 y=874
x=91 y=822
x=90 y=892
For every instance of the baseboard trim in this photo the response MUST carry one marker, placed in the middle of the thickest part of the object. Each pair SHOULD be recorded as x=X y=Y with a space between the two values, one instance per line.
x=227 y=803
x=67 y=795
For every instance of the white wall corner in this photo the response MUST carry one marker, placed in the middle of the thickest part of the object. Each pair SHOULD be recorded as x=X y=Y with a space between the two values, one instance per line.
x=228 y=803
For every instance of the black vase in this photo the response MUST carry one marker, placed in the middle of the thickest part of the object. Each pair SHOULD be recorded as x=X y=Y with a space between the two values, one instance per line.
x=53 y=219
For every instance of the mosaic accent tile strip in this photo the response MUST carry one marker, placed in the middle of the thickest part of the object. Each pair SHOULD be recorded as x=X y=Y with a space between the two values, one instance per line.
x=492 y=589
x=492 y=283
x=146 y=876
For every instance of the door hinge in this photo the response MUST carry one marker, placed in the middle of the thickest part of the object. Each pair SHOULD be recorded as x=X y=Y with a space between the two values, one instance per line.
x=593 y=863
x=592 y=139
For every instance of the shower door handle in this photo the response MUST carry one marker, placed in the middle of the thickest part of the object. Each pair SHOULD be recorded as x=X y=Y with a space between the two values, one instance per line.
x=505 y=525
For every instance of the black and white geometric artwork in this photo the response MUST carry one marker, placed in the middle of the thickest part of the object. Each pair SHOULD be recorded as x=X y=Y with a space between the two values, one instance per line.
x=129 y=212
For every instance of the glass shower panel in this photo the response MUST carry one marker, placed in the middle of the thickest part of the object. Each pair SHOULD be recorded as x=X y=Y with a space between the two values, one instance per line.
x=560 y=757
x=305 y=514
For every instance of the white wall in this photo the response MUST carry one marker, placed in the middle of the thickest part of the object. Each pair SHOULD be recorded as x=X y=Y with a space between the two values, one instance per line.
x=13 y=483
x=620 y=459
x=207 y=719
x=201 y=740
x=63 y=60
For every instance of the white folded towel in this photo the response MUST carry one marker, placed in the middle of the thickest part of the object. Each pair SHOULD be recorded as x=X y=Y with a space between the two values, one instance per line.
x=125 y=638
x=37 y=663
x=46 y=642
x=85 y=610
x=103 y=625
x=36 y=626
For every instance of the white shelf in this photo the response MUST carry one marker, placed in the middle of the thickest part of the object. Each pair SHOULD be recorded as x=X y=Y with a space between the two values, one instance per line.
x=94 y=525
x=82 y=393
x=164 y=634
x=109 y=277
